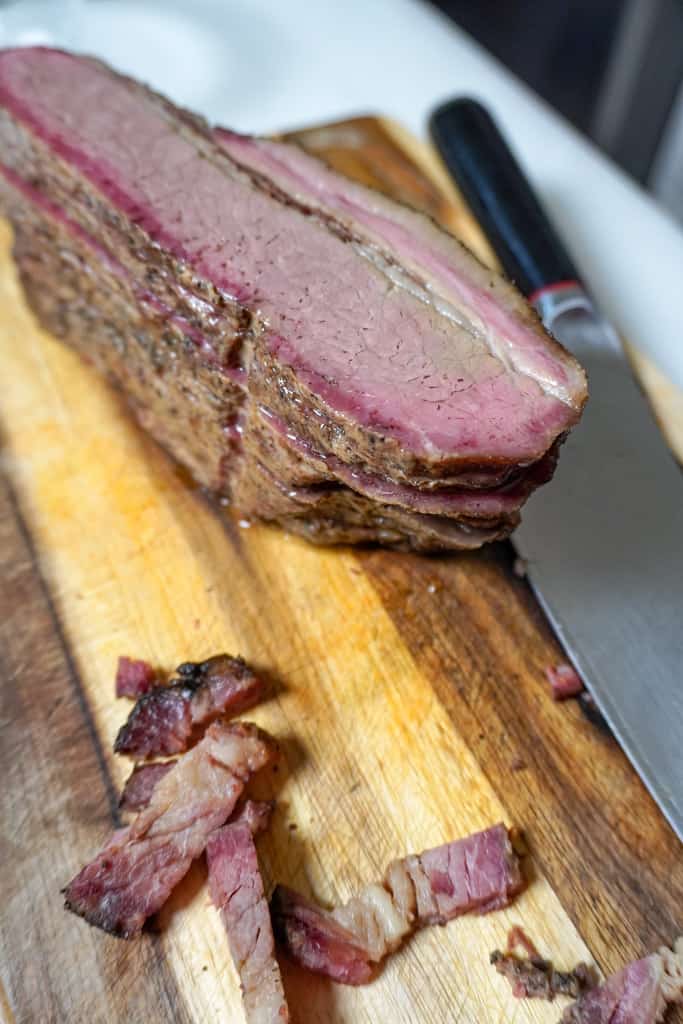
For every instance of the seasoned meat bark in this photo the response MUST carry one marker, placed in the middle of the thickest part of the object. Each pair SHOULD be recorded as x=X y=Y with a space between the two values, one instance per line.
x=476 y=874
x=135 y=872
x=220 y=280
x=535 y=978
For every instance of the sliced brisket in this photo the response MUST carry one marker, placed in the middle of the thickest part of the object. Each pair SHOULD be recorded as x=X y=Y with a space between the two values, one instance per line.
x=476 y=874
x=638 y=994
x=235 y=287
x=237 y=891
x=163 y=721
x=135 y=872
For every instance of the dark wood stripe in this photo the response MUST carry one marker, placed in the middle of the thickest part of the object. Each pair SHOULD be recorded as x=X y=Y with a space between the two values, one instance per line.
x=594 y=832
x=57 y=802
x=73 y=675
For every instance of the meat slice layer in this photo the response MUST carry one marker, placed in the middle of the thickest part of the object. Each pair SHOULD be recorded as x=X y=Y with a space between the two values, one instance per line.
x=237 y=891
x=134 y=873
x=476 y=874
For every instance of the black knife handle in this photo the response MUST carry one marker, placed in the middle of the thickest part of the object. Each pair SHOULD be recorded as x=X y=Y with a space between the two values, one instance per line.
x=500 y=196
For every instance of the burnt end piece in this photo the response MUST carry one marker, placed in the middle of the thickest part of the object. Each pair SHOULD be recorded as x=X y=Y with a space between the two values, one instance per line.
x=163 y=721
x=535 y=978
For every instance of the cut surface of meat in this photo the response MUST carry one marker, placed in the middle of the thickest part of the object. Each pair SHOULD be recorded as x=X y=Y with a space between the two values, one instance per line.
x=313 y=938
x=134 y=677
x=133 y=875
x=237 y=892
x=565 y=681
x=476 y=874
x=141 y=783
x=384 y=346
x=163 y=721
x=637 y=994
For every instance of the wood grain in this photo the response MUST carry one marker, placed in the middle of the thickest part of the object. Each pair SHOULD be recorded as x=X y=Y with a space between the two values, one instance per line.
x=408 y=694
x=56 y=790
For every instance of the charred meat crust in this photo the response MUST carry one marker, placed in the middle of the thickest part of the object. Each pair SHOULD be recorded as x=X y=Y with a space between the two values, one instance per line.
x=535 y=978
x=163 y=721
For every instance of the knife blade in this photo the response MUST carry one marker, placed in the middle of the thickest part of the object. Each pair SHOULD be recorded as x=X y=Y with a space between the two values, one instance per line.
x=603 y=542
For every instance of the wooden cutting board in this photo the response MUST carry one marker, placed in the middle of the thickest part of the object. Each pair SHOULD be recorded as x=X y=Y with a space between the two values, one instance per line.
x=408 y=695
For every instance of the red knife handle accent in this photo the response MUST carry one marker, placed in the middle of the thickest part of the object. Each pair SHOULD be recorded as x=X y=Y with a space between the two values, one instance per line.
x=500 y=197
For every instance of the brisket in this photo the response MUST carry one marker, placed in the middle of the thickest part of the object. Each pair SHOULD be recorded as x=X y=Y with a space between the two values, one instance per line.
x=135 y=872
x=637 y=994
x=237 y=892
x=313 y=352
x=164 y=720
x=476 y=874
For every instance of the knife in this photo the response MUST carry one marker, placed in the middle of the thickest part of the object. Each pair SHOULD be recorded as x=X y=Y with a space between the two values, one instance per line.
x=603 y=542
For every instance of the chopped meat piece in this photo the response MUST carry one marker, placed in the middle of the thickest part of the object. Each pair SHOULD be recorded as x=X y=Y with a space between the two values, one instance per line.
x=421 y=398
x=535 y=978
x=314 y=939
x=478 y=873
x=564 y=680
x=141 y=783
x=164 y=720
x=134 y=677
x=134 y=874
x=237 y=891
x=532 y=977
x=637 y=994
